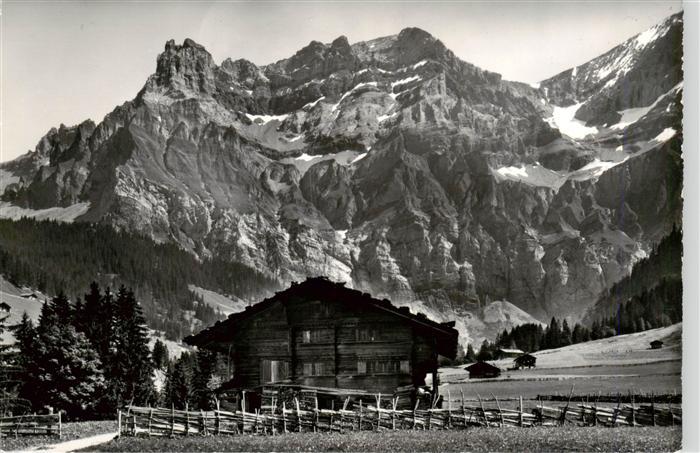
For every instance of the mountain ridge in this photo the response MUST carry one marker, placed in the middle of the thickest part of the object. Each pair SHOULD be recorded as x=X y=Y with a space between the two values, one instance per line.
x=390 y=164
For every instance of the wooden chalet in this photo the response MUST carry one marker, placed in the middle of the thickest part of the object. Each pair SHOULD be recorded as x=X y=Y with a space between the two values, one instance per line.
x=321 y=334
x=480 y=370
x=525 y=361
x=656 y=344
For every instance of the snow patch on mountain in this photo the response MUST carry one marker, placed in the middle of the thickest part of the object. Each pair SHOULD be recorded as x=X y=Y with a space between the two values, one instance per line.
x=404 y=81
x=563 y=119
x=67 y=214
x=306 y=161
x=665 y=135
x=348 y=93
x=264 y=119
x=631 y=116
x=593 y=169
x=535 y=175
x=313 y=104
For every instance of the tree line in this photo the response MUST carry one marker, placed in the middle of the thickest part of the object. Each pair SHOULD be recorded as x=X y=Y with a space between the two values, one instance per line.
x=50 y=256
x=92 y=356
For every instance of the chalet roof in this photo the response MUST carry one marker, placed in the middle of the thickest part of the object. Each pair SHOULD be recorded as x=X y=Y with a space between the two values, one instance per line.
x=657 y=342
x=324 y=289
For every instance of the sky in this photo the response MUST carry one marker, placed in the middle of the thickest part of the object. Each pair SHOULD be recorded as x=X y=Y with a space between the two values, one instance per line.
x=66 y=61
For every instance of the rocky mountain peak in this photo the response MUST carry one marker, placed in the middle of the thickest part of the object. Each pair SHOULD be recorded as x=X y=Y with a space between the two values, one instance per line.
x=185 y=68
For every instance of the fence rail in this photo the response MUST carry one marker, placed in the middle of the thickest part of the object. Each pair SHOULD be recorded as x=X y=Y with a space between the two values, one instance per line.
x=170 y=422
x=31 y=425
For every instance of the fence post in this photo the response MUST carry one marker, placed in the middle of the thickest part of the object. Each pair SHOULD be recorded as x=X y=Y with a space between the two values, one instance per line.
x=449 y=409
x=616 y=411
x=172 y=420
x=315 y=412
x=150 y=420
x=634 y=421
x=59 y=425
x=464 y=412
x=595 y=412
x=379 y=414
x=415 y=408
x=243 y=411
x=521 y=411
x=217 y=420
x=296 y=400
x=187 y=419
x=500 y=412
x=119 y=422
x=653 y=413
x=359 y=423
x=670 y=412
x=284 y=416
x=483 y=411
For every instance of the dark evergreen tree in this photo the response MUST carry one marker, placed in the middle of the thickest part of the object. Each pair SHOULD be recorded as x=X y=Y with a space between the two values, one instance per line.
x=160 y=354
x=130 y=367
x=470 y=356
x=485 y=352
x=66 y=368
x=180 y=388
x=565 y=338
x=25 y=342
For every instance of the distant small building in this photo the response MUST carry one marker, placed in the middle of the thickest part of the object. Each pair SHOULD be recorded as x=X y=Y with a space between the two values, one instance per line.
x=481 y=370
x=656 y=344
x=4 y=307
x=525 y=360
x=508 y=353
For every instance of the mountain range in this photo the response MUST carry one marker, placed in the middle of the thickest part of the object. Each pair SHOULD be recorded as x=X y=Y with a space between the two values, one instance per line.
x=392 y=165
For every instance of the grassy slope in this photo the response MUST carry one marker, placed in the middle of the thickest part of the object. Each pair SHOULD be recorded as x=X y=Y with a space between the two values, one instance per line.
x=10 y=294
x=617 y=364
x=477 y=439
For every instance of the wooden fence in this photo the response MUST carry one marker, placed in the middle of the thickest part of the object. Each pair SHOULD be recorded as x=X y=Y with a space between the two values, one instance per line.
x=170 y=422
x=31 y=425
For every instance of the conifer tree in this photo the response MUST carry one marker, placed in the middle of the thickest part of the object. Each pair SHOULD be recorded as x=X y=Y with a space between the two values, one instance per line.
x=130 y=364
x=67 y=369
x=160 y=355
x=470 y=356
x=565 y=338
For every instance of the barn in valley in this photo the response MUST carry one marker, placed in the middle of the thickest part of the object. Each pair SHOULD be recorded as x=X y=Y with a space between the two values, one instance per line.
x=321 y=334
x=481 y=370
x=525 y=361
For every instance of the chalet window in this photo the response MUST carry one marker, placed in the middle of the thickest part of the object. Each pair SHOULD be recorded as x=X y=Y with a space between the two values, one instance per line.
x=273 y=371
x=366 y=334
x=316 y=336
x=382 y=366
x=317 y=369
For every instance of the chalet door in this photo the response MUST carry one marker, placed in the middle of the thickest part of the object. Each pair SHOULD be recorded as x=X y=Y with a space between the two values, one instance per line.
x=272 y=371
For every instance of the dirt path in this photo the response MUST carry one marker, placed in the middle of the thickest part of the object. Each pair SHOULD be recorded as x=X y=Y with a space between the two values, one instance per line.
x=76 y=444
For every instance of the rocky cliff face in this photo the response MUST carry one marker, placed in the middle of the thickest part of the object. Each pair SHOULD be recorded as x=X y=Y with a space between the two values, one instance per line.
x=393 y=165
